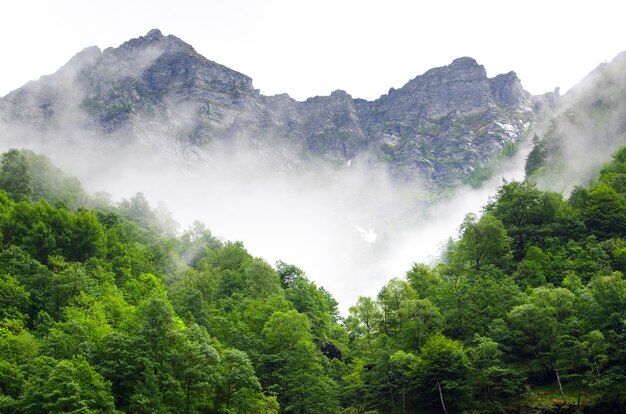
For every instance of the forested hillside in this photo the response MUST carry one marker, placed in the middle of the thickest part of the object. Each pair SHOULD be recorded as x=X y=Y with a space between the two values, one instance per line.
x=104 y=308
x=102 y=312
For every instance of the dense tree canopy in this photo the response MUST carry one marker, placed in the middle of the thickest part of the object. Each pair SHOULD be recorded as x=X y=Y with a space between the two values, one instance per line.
x=104 y=309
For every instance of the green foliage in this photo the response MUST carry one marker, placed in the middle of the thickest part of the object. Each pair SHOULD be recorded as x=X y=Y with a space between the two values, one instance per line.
x=239 y=388
x=605 y=213
x=532 y=217
x=293 y=366
x=492 y=380
x=423 y=280
x=443 y=363
x=535 y=269
x=14 y=298
x=68 y=386
x=537 y=156
x=484 y=241
x=28 y=176
x=531 y=287
x=104 y=310
x=316 y=303
x=15 y=175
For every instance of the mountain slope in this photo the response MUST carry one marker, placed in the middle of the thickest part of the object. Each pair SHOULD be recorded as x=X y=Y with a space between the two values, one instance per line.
x=581 y=129
x=157 y=90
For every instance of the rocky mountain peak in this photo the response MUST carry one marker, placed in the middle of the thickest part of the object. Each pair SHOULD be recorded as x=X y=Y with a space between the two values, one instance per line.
x=464 y=61
x=340 y=94
x=89 y=54
x=85 y=58
x=154 y=38
x=437 y=128
x=507 y=89
x=460 y=69
x=156 y=33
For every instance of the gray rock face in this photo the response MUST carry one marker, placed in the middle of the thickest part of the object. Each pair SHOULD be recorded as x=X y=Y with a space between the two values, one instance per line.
x=436 y=128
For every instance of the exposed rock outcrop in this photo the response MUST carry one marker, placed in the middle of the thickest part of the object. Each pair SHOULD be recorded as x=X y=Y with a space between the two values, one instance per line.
x=158 y=89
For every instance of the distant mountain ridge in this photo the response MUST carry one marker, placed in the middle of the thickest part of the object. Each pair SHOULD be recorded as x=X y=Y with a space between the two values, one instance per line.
x=158 y=90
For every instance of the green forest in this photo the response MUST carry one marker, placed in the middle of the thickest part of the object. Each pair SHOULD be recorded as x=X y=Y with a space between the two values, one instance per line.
x=105 y=308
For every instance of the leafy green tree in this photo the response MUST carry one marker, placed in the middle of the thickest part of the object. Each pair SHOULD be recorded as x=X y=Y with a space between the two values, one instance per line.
x=453 y=300
x=364 y=321
x=52 y=184
x=490 y=295
x=530 y=216
x=605 y=213
x=422 y=320
x=238 y=382
x=288 y=273
x=195 y=363
x=423 y=280
x=484 y=241
x=315 y=302
x=535 y=269
x=609 y=301
x=14 y=298
x=148 y=394
x=196 y=242
x=138 y=210
x=67 y=386
x=442 y=374
x=492 y=380
x=613 y=173
x=11 y=380
x=537 y=156
x=261 y=279
x=83 y=326
x=293 y=366
x=586 y=257
x=15 y=175
x=595 y=350
x=353 y=390
x=117 y=359
x=401 y=372
x=142 y=287
x=86 y=239
x=17 y=344
x=537 y=327
x=64 y=285
x=391 y=297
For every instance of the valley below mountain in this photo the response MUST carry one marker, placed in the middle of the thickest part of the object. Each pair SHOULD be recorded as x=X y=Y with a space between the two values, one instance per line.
x=174 y=241
x=351 y=180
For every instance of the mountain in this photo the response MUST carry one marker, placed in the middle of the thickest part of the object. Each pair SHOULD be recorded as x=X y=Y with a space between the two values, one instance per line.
x=579 y=131
x=158 y=91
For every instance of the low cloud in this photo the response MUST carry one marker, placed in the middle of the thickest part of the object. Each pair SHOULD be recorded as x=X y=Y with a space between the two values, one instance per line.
x=351 y=228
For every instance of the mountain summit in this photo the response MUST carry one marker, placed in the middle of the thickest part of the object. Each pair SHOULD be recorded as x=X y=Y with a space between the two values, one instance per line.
x=158 y=90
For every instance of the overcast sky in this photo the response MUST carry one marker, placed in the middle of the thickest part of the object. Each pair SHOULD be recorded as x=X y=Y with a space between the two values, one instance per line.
x=308 y=48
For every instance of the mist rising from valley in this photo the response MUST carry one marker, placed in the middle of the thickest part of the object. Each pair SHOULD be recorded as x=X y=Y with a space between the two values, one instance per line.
x=350 y=228
x=347 y=223
x=584 y=128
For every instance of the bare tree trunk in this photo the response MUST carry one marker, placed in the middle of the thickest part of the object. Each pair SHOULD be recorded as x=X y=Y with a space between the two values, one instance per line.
x=393 y=400
x=441 y=398
x=404 y=399
x=558 y=380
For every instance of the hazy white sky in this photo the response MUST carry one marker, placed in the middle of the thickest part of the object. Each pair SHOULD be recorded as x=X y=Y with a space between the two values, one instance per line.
x=308 y=48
